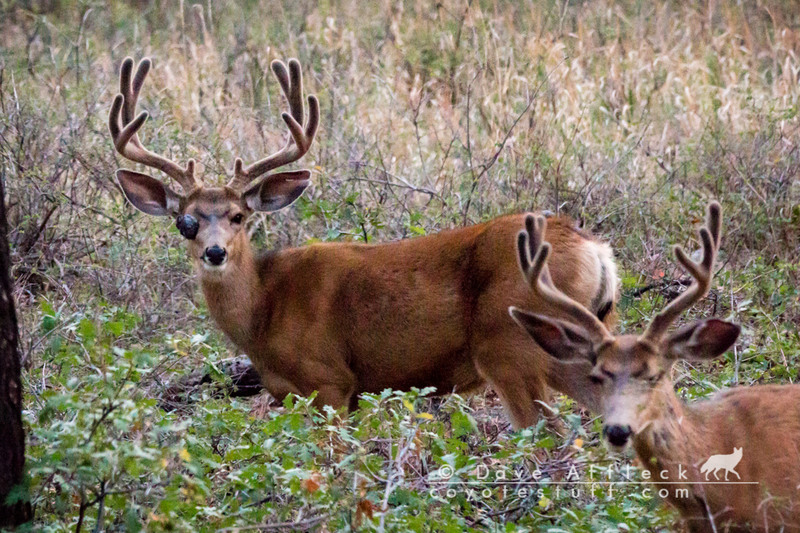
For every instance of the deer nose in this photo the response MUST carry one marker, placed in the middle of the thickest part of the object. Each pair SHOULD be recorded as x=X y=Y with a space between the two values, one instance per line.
x=617 y=435
x=215 y=255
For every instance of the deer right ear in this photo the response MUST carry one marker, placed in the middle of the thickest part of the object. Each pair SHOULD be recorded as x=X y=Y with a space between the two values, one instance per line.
x=277 y=190
x=147 y=194
x=705 y=339
x=560 y=339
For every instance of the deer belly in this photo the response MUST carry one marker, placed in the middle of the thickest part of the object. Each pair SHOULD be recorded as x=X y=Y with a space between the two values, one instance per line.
x=447 y=372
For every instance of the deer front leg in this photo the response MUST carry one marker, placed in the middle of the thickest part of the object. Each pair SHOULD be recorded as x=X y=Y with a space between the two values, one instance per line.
x=333 y=395
x=515 y=376
x=333 y=380
x=278 y=386
x=337 y=393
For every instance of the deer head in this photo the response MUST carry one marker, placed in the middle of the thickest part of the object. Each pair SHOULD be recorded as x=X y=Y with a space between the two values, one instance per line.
x=212 y=218
x=630 y=371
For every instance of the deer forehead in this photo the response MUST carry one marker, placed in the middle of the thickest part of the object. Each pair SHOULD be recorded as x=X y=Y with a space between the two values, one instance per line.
x=627 y=354
x=214 y=201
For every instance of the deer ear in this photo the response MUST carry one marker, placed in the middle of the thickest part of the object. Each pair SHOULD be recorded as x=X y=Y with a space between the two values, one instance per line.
x=277 y=190
x=147 y=194
x=705 y=339
x=560 y=339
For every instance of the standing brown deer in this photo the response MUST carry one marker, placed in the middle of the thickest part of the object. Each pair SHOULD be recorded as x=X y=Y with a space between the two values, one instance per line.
x=342 y=318
x=751 y=432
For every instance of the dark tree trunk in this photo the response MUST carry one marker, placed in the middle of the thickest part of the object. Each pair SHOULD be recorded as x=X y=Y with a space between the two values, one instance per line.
x=12 y=436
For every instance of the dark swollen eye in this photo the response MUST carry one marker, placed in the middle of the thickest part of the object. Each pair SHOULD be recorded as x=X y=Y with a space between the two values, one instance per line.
x=188 y=226
x=237 y=219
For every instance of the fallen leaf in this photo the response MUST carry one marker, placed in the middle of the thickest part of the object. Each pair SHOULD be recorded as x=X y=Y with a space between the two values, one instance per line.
x=545 y=502
x=313 y=483
x=409 y=406
x=364 y=508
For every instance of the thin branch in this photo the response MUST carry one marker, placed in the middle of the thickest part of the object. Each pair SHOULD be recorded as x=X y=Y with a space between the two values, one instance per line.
x=298 y=525
x=490 y=163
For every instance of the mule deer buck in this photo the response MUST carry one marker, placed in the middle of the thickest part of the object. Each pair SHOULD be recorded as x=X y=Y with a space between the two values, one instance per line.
x=675 y=441
x=344 y=318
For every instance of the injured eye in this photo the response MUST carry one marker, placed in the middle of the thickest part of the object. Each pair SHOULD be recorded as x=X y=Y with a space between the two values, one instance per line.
x=188 y=226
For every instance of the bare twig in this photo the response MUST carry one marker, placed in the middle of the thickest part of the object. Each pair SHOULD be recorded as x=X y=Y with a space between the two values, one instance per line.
x=298 y=525
x=492 y=160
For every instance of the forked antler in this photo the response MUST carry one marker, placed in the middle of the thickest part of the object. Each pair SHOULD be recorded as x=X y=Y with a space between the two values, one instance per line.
x=530 y=243
x=702 y=273
x=301 y=136
x=126 y=137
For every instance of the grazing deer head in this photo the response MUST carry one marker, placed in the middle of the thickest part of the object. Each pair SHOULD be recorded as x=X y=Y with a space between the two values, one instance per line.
x=212 y=218
x=631 y=370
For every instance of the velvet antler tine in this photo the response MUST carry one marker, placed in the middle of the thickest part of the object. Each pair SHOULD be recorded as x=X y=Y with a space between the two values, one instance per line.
x=296 y=94
x=702 y=273
x=531 y=244
x=125 y=135
x=313 y=117
x=301 y=133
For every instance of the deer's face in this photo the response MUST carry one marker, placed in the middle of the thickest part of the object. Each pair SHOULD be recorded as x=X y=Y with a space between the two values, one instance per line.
x=212 y=218
x=216 y=216
x=630 y=373
x=628 y=370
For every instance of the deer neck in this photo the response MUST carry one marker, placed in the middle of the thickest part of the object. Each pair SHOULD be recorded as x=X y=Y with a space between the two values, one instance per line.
x=231 y=295
x=667 y=442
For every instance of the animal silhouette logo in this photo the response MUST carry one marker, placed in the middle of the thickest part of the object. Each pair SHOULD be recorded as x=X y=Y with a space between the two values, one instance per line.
x=725 y=462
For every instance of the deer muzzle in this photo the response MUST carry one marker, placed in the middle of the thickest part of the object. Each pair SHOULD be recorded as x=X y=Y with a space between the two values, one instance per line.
x=617 y=435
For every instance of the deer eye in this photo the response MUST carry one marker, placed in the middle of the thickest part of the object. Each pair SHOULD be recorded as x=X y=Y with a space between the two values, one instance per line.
x=237 y=218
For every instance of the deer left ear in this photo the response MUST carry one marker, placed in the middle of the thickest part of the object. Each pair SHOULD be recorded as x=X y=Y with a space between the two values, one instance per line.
x=705 y=339
x=277 y=191
x=563 y=340
x=147 y=194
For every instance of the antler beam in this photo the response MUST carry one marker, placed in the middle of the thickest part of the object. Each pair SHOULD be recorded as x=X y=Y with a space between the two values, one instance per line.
x=301 y=136
x=530 y=243
x=702 y=273
x=126 y=137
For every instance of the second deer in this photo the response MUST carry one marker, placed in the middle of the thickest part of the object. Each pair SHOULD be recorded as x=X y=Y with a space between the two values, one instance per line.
x=751 y=432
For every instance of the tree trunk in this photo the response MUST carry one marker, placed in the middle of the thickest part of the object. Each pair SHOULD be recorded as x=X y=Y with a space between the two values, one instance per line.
x=12 y=435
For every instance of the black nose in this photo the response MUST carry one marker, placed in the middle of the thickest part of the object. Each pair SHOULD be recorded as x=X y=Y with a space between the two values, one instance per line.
x=617 y=435
x=215 y=255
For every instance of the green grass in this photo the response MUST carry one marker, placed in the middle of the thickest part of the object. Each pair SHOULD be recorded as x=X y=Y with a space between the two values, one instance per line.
x=638 y=115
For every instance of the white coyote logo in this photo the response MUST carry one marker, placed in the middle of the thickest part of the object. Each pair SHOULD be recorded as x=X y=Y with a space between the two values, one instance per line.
x=725 y=462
